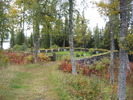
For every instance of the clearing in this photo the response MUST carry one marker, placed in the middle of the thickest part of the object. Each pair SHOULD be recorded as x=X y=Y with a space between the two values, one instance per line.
x=27 y=82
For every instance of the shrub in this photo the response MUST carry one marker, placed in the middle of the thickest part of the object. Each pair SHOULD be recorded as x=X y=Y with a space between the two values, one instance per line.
x=99 y=68
x=29 y=59
x=82 y=54
x=66 y=65
x=77 y=55
x=19 y=47
x=89 y=89
x=42 y=57
x=16 y=58
x=3 y=59
x=54 y=46
x=66 y=58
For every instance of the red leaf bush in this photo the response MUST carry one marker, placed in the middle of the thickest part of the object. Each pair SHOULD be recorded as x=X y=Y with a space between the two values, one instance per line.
x=100 y=68
x=14 y=57
x=42 y=57
x=21 y=58
x=65 y=65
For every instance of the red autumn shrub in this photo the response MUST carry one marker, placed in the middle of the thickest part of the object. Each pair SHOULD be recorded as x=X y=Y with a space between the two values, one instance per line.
x=65 y=66
x=29 y=59
x=100 y=68
x=21 y=58
x=15 y=58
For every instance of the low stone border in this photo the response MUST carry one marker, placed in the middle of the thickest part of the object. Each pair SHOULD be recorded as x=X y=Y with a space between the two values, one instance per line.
x=90 y=60
x=94 y=51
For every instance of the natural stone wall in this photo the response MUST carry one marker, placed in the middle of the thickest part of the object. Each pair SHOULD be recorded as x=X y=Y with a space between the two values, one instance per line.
x=92 y=51
x=90 y=60
x=87 y=61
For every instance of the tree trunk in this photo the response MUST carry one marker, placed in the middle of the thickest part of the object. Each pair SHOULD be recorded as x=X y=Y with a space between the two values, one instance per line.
x=74 y=72
x=24 y=28
x=64 y=40
x=36 y=51
x=50 y=40
x=111 y=51
x=2 y=39
x=128 y=66
x=1 y=43
x=36 y=40
x=122 y=52
x=122 y=75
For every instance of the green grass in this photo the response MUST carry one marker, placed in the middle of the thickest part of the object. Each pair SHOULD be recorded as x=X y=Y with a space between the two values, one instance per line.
x=77 y=54
x=80 y=87
x=26 y=82
x=18 y=81
x=46 y=82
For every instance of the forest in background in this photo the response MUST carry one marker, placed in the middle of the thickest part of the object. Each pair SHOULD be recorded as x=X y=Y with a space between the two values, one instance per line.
x=53 y=19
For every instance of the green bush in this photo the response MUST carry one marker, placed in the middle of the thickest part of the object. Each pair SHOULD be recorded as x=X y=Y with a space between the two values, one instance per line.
x=19 y=47
x=82 y=54
x=42 y=57
x=54 y=46
x=66 y=58
x=29 y=59
x=3 y=59
x=77 y=55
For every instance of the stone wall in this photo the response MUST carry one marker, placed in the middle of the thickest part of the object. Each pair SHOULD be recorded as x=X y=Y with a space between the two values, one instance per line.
x=90 y=60
x=93 y=51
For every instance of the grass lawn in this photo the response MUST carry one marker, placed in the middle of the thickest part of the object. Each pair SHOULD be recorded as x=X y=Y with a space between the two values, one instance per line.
x=77 y=54
x=27 y=82
x=45 y=82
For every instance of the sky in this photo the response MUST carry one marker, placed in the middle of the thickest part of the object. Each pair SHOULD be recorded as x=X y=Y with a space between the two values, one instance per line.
x=91 y=14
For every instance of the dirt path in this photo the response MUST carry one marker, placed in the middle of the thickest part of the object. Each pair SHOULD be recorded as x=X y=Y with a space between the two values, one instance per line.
x=29 y=82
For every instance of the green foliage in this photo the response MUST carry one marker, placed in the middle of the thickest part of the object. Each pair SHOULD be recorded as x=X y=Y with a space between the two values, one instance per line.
x=97 y=35
x=108 y=8
x=4 y=28
x=81 y=87
x=12 y=40
x=17 y=82
x=20 y=38
x=19 y=47
x=30 y=41
x=82 y=53
x=129 y=42
x=82 y=32
x=3 y=59
x=54 y=46
x=85 y=89
x=77 y=55
x=101 y=65
x=29 y=59
x=42 y=57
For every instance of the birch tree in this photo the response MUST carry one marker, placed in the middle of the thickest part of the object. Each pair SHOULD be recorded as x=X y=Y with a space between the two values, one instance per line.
x=110 y=10
x=122 y=52
x=71 y=3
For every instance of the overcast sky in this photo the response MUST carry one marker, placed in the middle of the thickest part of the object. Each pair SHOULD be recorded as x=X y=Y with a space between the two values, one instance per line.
x=92 y=14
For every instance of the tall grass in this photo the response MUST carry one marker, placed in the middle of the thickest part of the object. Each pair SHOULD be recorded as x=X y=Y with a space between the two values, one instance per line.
x=80 y=87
